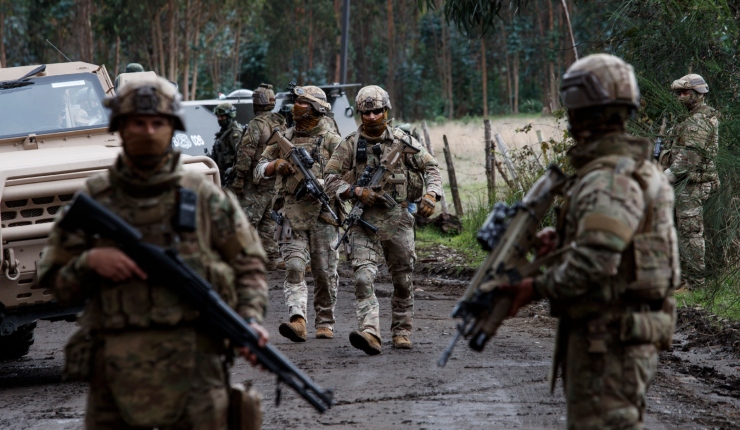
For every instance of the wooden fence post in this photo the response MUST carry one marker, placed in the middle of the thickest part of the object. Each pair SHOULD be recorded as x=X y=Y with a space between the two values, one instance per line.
x=453 y=179
x=507 y=160
x=490 y=161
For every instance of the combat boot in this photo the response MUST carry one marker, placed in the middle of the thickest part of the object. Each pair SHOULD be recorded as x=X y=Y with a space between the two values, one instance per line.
x=401 y=342
x=295 y=330
x=367 y=342
x=324 y=333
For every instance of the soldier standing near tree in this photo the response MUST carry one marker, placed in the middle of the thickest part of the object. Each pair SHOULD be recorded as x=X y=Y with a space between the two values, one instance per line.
x=612 y=286
x=307 y=231
x=690 y=162
x=143 y=349
x=255 y=194
x=394 y=241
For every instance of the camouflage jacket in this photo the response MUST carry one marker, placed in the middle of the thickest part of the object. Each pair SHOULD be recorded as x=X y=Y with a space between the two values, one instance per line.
x=343 y=170
x=331 y=124
x=694 y=144
x=224 y=148
x=224 y=249
x=321 y=144
x=617 y=221
x=251 y=147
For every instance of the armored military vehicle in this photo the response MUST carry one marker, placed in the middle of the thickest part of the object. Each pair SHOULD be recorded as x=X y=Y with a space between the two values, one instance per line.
x=341 y=109
x=53 y=135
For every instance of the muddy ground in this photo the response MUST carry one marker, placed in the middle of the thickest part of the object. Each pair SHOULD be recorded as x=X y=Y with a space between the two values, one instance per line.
x=503 y=387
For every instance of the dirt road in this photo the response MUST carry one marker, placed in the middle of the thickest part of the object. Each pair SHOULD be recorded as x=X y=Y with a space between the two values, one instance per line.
x=503 y=387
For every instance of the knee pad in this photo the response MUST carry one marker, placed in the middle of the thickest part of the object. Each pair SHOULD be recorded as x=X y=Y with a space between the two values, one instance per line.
x=401 y=285
x=295 y=268
x=364 y=283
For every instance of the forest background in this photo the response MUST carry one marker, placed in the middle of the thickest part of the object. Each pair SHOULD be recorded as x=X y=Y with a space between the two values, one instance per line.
x=453 y=59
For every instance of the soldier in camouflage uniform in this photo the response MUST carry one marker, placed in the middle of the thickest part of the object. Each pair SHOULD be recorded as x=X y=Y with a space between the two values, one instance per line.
x=148 y=359
x=227 y=139
x=394 y=240
x=254 y=194
x=690 y=161
x=308 y=231
x=612 y=286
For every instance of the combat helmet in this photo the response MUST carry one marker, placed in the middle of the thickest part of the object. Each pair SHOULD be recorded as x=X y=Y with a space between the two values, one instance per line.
x=372 y=97
x=133 y=68
x=225 y=109
x=314 y=96
x=263 y=98
x=151 y=96
x=600 y=80
x=691 y=82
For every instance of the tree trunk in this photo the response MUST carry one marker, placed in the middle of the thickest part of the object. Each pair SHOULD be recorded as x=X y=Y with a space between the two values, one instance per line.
x=83 y=11
x=515 y=74
x=554 y=102
x=310 y=39
x=198 y=25
x=3 y=60
x=484 y=73
x=237 y=50
x=508 y=68
x=390 y=87
x=172 y=40
x=338 y=57
x=118 y=56
x=186 y=51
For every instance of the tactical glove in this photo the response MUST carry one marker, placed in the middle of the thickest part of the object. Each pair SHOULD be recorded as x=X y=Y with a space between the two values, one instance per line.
x=283 y=167
x=367 y=196
x=426 y=206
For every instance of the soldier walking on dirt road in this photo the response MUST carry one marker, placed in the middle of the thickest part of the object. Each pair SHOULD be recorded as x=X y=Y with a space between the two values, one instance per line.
x=612 y=287
x=394 y=240
x=145 y=352
x=690 y=162
x=255 y=194
x=307 y=231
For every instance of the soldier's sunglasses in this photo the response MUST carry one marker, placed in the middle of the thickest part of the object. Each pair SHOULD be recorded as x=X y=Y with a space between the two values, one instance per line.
x=374 y=111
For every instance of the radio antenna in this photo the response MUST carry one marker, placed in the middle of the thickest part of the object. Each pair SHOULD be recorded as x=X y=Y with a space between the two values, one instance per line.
x=60 y=52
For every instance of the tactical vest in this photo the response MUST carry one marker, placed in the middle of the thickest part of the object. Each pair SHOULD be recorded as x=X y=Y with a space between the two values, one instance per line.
x=649 y=267
x=224 y=149
x=136 y=303
x=269 y=122
x=412 y=188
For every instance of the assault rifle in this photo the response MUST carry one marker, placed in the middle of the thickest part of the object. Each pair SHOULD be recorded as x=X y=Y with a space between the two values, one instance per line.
x=302 y=162
x=376 y=178
x=509 y=233
x=658 y=148
x=165 y=267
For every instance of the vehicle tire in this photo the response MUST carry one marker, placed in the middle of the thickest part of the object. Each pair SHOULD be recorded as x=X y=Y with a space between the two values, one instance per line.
x=17 y=344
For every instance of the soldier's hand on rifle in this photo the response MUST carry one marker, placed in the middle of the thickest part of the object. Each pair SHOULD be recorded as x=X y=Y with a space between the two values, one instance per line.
x=426 y=206
x=283 y=167
x=264 y=338
x=522 y=292
x=548 y=241
x=366 y=195
x=112 y=263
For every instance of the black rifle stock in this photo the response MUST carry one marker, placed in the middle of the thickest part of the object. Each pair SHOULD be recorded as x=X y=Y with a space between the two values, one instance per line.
x=509 y=233
x=376 y=178
x=164 y=266
x=302 y=162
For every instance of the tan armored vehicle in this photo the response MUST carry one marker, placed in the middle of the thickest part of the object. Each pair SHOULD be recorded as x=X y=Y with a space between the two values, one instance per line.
x=53 y=135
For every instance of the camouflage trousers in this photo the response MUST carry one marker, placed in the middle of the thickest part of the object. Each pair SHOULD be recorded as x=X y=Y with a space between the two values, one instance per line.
x=257 y=205
x=400 y=254
x=157 y=378
x=690 y=227
x=313 y=245
x=607 y=390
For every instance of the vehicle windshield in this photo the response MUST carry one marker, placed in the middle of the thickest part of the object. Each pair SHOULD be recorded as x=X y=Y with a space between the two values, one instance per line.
x=53 y=104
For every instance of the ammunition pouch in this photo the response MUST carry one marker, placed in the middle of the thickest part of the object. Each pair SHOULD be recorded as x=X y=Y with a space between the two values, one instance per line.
x=655 y=327
x=414 y=185
x=245 y=408
x=653 y=268
x=79 y=354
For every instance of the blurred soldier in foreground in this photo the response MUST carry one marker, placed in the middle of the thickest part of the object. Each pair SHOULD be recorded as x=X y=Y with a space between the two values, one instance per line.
x=690 y=162
x=227 y=139
x=612 y=286
x=394 y=240
x=149 y=361
x=255 y=194
x=306 y=231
